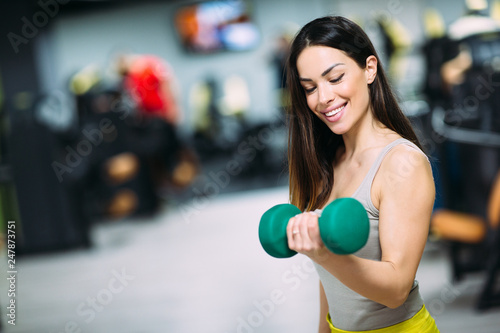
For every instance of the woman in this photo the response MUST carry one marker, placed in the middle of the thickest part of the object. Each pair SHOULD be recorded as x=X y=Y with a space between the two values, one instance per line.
x=349 y=138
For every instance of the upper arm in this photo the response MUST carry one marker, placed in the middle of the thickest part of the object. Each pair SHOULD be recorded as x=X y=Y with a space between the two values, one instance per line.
x=406 y=197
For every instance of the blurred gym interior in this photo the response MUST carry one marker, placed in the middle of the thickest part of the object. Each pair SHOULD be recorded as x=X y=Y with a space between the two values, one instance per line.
x=141 y=141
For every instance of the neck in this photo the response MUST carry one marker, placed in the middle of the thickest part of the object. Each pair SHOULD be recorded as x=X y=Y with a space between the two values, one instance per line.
x=364 y=134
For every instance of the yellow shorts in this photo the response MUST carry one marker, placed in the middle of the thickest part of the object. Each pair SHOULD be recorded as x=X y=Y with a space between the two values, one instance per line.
x=421 y=322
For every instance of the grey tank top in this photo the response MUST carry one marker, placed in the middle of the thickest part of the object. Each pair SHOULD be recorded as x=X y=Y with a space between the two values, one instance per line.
x=348 y=310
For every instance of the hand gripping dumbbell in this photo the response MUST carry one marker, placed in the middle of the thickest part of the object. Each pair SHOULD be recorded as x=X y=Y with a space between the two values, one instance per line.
x=343 y=227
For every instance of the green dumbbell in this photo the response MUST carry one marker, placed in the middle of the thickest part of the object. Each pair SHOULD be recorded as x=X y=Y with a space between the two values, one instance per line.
x=343 y=226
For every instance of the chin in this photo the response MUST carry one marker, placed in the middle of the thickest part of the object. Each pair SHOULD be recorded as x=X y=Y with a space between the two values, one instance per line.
x=339 y=130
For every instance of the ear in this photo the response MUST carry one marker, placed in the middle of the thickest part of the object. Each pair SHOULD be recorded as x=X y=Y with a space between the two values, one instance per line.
x=371 y=69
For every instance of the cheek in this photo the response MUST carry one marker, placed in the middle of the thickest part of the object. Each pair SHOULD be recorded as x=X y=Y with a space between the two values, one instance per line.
x=359 y=93
x=350 y=89
x=311 y=102
x=364 y=96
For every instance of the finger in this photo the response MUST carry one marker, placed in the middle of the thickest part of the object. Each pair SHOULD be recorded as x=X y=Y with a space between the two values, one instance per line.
x=298 y=231
x=308 y=222
x=290 y=232
x=294 y=223
x=313 y=229
x=291 y=222
x=315 y=236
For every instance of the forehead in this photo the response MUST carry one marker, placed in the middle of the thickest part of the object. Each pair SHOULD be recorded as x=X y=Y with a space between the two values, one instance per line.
x=313 y=60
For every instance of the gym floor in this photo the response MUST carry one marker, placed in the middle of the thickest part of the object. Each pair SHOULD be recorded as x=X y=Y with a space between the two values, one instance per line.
x=197 y=266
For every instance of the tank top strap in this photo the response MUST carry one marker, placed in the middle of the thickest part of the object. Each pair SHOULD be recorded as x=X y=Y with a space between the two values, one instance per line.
x=364 y=189
x=376 y=165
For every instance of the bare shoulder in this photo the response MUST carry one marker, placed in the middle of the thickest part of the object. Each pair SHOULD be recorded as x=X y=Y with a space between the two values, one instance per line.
x=405 y=165
x=404 y=172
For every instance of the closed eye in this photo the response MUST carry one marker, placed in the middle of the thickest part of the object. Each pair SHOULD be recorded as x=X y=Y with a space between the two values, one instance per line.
x=337 y=79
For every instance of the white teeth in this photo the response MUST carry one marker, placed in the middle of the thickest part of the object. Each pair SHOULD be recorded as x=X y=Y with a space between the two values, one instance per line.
x=334 y=112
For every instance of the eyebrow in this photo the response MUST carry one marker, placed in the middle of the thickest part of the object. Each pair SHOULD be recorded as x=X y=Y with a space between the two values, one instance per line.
x=325 y=72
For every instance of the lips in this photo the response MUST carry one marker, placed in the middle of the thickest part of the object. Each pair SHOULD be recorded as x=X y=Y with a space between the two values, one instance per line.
x=331 y=114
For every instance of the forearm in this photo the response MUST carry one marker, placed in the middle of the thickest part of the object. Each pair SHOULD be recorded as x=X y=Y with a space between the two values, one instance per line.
x=379 y=281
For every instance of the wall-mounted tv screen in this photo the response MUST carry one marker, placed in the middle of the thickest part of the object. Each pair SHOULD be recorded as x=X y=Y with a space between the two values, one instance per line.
x=216 y=25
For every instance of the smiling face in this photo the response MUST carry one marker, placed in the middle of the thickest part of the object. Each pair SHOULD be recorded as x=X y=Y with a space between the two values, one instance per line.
x=336 y=88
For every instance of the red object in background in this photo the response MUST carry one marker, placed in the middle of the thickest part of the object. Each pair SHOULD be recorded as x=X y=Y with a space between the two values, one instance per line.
x=148 y=81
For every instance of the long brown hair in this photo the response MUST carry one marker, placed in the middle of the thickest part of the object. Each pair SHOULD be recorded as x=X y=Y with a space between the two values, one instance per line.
x=311 y=144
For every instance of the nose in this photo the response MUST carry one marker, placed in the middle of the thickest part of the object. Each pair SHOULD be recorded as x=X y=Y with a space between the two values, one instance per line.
x=325 y=95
